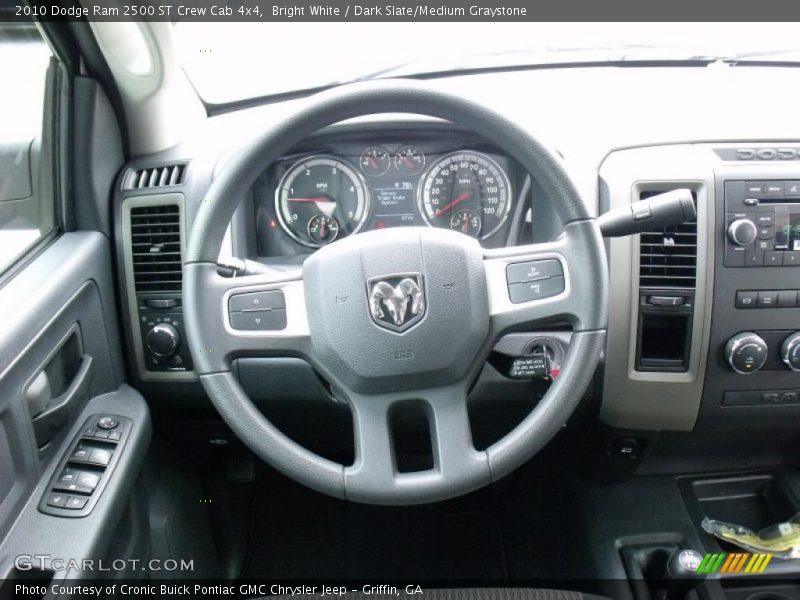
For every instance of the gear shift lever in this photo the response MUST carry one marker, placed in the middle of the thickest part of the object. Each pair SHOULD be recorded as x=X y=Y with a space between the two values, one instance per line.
x=681 y=573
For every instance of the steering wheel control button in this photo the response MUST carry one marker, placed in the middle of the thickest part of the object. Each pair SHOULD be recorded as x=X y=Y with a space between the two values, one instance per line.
x=262 y=320
x=535 y=270
x=107 y=423
x=257 y=301
x=535 y=290
x=258 y=311
x=746 y=352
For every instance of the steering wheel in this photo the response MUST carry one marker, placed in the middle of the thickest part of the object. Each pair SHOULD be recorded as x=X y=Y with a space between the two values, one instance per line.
x=452 y=296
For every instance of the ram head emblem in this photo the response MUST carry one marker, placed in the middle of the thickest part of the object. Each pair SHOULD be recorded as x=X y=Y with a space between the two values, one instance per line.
x=396 y=302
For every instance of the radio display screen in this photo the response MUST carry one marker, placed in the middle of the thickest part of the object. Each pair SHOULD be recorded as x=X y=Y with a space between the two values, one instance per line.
x=787 y=231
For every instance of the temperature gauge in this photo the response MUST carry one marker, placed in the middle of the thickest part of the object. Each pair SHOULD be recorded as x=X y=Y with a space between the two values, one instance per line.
x=375 y=161
x=467 y=222
x=323 y=229
x=409 y=160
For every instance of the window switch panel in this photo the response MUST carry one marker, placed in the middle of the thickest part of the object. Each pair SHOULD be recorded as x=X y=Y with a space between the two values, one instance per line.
x=86 y=468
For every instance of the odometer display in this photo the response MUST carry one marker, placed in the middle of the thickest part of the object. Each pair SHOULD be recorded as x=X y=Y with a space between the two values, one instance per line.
x=321 y=199
x=462 y=186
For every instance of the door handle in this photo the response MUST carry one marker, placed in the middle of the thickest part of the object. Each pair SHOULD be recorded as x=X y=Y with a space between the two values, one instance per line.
x=59 y=409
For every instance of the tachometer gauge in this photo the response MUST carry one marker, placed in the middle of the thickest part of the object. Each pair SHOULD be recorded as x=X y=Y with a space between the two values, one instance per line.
x=319 y=199
x=375 y=161
x=466 y=191
x=409 y=160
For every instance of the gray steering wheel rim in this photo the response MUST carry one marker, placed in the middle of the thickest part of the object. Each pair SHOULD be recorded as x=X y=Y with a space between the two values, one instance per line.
x=329 y=108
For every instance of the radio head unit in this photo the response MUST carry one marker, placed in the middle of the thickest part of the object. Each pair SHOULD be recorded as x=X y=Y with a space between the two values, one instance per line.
x=762 y=221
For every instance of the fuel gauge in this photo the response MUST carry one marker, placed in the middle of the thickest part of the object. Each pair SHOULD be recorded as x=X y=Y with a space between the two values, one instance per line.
x=409 y=160
x=375 y=161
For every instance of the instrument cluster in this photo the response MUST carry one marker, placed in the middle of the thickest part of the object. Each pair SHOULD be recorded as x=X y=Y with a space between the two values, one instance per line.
x=323 y=196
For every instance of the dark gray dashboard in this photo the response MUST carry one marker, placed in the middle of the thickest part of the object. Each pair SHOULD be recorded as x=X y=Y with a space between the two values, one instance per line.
x=615 y=147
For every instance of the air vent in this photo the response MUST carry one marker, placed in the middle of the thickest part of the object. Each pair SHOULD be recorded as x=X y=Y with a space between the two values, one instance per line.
x=668 y=257
x=155 y=177
x=156 y=248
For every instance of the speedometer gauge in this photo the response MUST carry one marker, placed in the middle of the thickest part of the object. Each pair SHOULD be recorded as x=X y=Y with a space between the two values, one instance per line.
x=467 y=192
x=321 y=199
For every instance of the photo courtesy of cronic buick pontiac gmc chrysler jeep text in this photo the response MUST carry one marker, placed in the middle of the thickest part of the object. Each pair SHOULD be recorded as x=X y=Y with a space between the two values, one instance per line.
x=395 y=309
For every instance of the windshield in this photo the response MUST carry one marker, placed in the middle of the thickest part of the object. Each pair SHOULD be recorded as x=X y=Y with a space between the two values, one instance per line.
x=235 y=61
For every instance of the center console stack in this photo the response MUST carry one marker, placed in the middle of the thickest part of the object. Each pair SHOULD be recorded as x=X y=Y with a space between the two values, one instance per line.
x=754 y=357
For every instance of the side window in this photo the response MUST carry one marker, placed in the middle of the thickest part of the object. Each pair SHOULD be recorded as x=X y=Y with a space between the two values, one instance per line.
x=27 y=205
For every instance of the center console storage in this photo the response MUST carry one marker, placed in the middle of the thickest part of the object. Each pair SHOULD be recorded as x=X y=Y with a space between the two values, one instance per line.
x=646 y=543
x=753 y=501
x=756 y=501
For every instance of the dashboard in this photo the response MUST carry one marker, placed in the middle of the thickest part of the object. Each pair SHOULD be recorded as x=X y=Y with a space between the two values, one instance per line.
x=667 y=367
x=347 y=182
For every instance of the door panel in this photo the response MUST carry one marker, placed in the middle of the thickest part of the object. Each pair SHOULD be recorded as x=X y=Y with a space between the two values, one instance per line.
x=59 y=324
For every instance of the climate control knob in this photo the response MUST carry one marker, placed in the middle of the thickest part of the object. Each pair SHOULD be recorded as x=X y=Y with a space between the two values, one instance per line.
x=163 y=340
x=790 y=351
x=746 y=352
x=742 y=232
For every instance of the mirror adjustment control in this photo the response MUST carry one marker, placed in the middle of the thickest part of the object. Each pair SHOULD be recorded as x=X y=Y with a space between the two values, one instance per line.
x=107 y=423
x=742 y=232
x=790 y=351
x=746 y=352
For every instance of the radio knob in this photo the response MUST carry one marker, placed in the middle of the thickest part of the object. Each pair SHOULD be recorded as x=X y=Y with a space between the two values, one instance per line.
x=163 y=340
x=790 y=351
x=746 y=352
x=742 y=232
